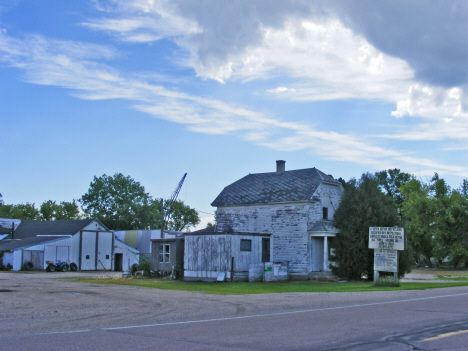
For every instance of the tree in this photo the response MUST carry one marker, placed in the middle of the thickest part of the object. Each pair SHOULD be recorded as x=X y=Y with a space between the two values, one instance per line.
x=50 y=210
x=451 y=239
x=419 y=213
x=182 y=217
x=362 y=205
x=120 y=203
x=391 y=181
x=20 y=211
x=436 y=218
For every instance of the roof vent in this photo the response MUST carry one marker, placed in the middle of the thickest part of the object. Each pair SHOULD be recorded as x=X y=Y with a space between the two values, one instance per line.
x=280 y=166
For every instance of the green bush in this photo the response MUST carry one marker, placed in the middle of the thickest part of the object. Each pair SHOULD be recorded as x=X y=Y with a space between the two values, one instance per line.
x=145 y=265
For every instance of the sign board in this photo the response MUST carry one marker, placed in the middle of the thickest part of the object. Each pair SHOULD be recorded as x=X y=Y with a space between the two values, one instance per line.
x=387 y=238
x=221 y=277
x=385 y=260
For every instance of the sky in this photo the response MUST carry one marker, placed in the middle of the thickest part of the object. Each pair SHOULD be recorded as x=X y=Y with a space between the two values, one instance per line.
x=220 y=89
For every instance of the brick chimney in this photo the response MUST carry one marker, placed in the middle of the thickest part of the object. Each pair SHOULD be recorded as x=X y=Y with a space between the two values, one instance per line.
x=280 y=166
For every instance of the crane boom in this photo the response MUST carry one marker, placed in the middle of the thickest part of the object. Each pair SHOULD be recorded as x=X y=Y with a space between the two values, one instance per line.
x=168 y=207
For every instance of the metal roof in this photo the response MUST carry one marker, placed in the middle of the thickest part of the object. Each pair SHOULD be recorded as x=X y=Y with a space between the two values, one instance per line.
x=323 y=226
x=296 y=185
x=36 y=240
x=30 y=228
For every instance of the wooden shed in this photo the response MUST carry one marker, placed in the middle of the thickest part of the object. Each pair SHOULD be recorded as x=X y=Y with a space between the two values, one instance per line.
x=211 y=256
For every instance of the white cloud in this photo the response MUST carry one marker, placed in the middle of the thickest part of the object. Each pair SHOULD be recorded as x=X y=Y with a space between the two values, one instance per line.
x=142 y=21
x=75 y=66
x=280 y=90
x=306 y=43
x=432 y=103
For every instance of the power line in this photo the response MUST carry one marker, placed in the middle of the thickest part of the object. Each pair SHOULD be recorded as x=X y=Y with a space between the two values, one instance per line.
x=206 y=213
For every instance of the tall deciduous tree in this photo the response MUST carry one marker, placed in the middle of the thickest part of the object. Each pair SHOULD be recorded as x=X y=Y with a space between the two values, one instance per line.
x=419 y=212
x=362 y=205
x=182 y=217
x=120 y=203
x=391 y=181
x=50 y=210
x=20 y=211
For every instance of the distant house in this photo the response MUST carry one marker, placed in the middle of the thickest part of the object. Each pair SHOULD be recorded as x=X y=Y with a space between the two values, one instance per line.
x=282 y=216
x=87 y=243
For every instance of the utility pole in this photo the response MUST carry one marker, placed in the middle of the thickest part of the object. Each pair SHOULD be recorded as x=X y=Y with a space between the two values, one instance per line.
x=162 y=219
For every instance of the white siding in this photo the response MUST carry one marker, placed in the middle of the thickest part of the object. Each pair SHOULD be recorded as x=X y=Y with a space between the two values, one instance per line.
x=130 y=255
x=8 y=258
x=75 y=249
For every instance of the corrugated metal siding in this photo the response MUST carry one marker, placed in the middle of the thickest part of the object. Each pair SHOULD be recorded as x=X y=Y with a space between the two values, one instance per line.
x=50 y=253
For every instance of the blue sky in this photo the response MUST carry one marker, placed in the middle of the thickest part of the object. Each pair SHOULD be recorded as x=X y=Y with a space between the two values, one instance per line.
x=220 y=89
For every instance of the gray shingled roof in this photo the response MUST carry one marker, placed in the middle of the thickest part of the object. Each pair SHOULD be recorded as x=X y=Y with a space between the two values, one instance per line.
x=297 y=185
x=15 y=244
x=29 y=228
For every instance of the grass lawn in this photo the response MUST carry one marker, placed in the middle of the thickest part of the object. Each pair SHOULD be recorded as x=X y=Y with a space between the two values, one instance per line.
x=242 y=288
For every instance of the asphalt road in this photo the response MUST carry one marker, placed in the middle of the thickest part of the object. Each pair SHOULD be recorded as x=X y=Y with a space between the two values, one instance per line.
x=43 y=312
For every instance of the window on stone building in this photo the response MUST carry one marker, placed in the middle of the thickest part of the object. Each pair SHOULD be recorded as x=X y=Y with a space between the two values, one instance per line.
x=164 y=253
x=325 y=212
x=246 y=245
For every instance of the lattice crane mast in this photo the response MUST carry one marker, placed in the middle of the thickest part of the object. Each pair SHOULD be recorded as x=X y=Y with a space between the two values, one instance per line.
x=166 y=210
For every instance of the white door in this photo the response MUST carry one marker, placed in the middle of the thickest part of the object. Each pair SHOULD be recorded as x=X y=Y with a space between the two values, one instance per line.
x=62 y=254
x=88 y=251
x=104 y=251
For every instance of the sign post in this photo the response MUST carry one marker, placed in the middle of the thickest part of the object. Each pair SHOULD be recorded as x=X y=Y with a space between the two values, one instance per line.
x=386 y=242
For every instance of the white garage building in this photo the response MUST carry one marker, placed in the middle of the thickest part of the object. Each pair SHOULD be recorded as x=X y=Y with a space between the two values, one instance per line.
x=87 y=243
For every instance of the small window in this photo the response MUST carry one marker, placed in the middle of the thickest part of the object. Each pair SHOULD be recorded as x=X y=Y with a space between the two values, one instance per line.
x=87 y=257
x=325 y=212
x=246 y=245
x=107 y=257
x=164 y=253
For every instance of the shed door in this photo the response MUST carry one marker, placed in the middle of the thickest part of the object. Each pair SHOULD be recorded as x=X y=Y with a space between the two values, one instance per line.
x=88 y=251
x=104 y=254
x=50 y=253
x=62 y=254
x=265 y=249
x=36 y=257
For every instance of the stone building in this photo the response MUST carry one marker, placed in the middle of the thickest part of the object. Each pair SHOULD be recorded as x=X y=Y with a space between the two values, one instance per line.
x=294 y=209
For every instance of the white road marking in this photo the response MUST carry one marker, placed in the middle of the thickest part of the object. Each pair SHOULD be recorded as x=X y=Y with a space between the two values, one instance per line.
x=446 y=335
x=258 y=315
